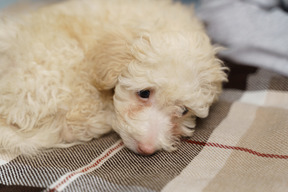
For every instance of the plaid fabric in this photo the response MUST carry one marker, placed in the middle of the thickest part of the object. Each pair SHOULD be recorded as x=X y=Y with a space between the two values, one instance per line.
x=241 y=146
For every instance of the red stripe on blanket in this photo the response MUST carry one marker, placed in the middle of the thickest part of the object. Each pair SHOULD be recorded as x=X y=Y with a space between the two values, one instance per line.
x=236 y=148
x=86 y=169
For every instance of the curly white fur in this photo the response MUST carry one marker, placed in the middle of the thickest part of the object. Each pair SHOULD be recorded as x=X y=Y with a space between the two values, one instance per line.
x=71 y=72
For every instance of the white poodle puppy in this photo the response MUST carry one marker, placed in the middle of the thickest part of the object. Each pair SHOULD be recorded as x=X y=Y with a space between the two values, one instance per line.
x=77 y=70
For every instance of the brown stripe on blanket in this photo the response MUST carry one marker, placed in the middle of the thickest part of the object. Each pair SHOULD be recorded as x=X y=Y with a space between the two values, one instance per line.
x=230 y=96
x=127 y=169
x=267 y=80
x=279 y=83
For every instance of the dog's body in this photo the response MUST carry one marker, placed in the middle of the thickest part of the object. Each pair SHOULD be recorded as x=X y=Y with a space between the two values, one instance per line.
x=77 y=70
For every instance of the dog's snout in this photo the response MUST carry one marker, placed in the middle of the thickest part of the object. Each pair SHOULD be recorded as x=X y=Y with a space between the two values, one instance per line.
x=145 y=149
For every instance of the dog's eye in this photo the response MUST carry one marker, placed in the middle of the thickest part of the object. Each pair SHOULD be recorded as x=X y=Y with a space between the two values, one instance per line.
x=185 y=111
x=144 y=94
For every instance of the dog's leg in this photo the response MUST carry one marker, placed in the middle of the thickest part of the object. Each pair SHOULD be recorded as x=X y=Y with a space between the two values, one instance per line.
x=87 y=119
x=14 y=140
x=60 y=130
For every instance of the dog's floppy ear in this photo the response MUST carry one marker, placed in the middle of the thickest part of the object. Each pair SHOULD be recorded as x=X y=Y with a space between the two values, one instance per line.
x=110 y=57
x=210 y=86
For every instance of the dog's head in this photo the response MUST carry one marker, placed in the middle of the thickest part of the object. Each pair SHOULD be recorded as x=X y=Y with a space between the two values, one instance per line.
x=161 y=82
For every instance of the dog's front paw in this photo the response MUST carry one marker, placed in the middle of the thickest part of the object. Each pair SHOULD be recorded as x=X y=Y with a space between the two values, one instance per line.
x=188 y=126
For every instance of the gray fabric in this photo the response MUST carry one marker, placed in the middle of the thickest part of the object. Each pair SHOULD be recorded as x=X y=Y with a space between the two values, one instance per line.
x=268 y=4
x=255 y=32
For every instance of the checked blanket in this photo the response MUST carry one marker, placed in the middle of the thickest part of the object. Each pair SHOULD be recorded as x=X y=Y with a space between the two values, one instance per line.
x=241 y=146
